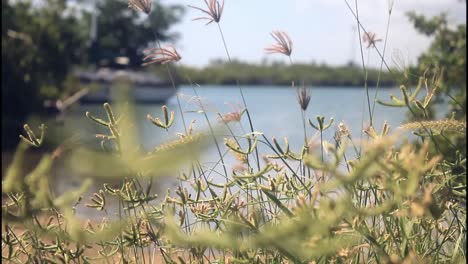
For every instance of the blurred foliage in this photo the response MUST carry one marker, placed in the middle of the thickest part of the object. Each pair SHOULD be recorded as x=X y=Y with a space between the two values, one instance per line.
x=276 y=73
x=446 y=56
x=40 y=44
x=43 y=41
x=444 y=64
x=395 y=203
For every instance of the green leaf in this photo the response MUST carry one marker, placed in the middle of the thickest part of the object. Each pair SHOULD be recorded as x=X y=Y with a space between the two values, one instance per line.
x=278 y=203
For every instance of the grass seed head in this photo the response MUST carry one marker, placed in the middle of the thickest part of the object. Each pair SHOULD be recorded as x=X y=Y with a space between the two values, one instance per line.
x=343 y=130
x=234 y=116
x=214 y=11
x=303 y=97
x=370 y=38
x=140 y=5
x=161 y=56
x=283 y=44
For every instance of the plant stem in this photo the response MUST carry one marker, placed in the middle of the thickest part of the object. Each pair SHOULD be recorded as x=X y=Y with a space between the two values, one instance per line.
x=241 y=93
x=377 y=86
x=362 y=60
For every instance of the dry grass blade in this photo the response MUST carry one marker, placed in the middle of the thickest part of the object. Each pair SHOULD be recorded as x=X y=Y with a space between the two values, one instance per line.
x=161 y=56
x=140 y=5
x=283 y=43
x=214 y=11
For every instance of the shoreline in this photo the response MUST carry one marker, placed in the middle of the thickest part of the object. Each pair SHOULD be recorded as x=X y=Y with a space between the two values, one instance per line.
x=255 y=86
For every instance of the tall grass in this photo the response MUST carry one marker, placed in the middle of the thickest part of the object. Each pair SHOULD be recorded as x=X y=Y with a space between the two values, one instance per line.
x=396 y=201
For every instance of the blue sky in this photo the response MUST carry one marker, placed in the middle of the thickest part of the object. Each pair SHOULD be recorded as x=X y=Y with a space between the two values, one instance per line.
x=322 y=30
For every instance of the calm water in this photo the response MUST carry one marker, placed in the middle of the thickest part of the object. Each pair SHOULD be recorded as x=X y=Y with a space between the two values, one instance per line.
x=274 y=112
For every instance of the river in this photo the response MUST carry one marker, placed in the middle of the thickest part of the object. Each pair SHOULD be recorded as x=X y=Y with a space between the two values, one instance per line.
x=274 y=111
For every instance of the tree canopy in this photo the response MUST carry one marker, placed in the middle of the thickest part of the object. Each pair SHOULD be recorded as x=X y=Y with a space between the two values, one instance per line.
x=445 y=57
x=42 y=41
x=122 y=31
x=39 y=46
x=445 y=63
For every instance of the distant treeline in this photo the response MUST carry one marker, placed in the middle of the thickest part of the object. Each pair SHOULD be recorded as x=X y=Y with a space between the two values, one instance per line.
x=224 y=73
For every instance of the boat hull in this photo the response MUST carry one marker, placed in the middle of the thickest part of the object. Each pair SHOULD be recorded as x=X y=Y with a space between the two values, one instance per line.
x=143 y=95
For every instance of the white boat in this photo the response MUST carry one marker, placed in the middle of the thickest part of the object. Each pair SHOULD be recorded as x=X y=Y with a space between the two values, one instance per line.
x=145 y=87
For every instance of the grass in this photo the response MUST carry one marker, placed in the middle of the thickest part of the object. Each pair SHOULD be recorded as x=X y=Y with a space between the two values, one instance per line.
x=382 y=199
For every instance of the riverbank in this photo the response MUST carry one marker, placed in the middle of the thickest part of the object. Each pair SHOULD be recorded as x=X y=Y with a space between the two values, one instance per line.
x=280 y=74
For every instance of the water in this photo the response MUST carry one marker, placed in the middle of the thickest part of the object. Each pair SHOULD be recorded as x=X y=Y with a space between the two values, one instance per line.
x=274 y=111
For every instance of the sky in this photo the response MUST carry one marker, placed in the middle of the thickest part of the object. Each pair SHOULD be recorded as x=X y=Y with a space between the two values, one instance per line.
x=323 y=31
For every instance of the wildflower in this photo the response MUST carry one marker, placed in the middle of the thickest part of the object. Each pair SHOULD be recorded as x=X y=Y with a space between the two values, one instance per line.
x=202 y=208
x=168 y=121
x=284 y=43
x=301 y=201
x=370 y=38
x=337 y=138
x=239 y=167
x=370 y=131
x=231 y=116
x=240 y=157
x=343 y=130
x=189 y=139
x=214 y=11
x=344 y=252
x=303 y=97
x=234 y=116
x=237 y=205
x=444 y=125
x=190 y=128
x=140 y=5
x=161 y=55
x=385 y=129
x=313 y=144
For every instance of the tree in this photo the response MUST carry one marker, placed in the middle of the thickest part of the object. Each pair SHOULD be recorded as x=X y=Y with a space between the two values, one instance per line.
x=446 y=58
x=42 y=41
x=40 y=44
x=125 y=32
x=446 y=55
